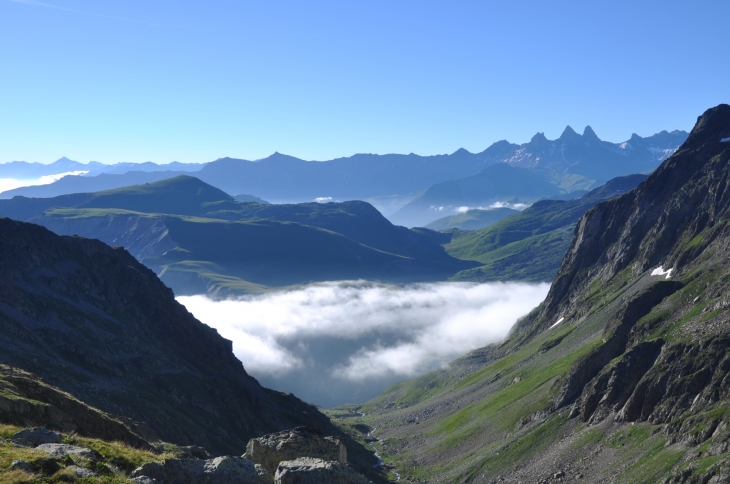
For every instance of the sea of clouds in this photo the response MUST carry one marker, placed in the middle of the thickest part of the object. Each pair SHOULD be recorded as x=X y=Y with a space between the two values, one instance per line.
x=345 y=342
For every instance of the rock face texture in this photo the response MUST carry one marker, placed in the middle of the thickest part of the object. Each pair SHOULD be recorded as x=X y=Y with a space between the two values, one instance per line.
x=63 y=450
x=221 y=470
x=308 y=470
x=651 y=225
x=92 y=321
x=270 y=450
x=34 y=437
x=302 y=455
x=26 y=400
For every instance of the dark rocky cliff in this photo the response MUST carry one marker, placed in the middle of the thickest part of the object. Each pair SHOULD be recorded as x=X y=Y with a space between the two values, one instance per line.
x=93 y=321
x=622 y=374
x=651 y=225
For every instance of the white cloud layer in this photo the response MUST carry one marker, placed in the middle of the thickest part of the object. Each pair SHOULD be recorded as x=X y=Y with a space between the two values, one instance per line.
x=514 y=206
x=368 y=330
x=12 y=183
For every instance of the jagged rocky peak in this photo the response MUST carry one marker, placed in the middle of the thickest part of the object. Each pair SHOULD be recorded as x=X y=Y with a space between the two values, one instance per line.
x=648 y=226
x=590 y=135
x=569 y=134
x=539 y=138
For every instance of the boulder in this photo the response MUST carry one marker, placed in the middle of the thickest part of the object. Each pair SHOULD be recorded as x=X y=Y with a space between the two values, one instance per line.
x=144 y=480
x=80 y=471
x=221 y=470
x=271 y=449
x=21 y=465
x=35 y=437
x=63 y=450
x=308 y=470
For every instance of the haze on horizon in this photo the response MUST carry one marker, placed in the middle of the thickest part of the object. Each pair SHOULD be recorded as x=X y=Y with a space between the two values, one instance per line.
x=163 y=82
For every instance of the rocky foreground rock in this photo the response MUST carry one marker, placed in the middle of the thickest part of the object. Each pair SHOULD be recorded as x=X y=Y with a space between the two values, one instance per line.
x=297 y=456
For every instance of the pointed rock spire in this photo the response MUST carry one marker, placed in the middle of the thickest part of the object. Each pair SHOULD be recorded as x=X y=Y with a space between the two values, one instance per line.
x=568 y=133
x=538 y=138
x=590 y=135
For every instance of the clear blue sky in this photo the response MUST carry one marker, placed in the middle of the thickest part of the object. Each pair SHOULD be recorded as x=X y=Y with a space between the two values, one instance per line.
x=162 y=80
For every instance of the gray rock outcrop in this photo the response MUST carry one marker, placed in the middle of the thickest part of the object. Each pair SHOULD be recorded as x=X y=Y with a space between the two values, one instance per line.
x=81 y=472
x=63 y=450
x=21 y=465
x=308 y=470
x=269 y=450
x=221 y=470
x=35 y=437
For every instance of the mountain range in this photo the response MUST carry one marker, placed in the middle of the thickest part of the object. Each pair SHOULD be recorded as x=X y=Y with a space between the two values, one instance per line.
x=620 y=375
x=22 y=170
x=571 y=162
x=201 y=240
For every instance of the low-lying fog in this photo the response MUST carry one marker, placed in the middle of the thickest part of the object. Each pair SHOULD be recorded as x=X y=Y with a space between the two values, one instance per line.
x=346 y=342
x=12 y=183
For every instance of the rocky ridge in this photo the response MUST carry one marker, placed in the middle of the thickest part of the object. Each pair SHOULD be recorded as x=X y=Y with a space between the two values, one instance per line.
x=92 y=321
x=622 y=374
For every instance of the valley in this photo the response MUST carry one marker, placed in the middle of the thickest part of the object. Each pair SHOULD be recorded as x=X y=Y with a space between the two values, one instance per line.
x=417 y=340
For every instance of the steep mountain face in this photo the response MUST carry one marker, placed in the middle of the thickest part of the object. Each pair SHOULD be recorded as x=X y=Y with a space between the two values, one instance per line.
x=92 y=321
x=497 y=183
x=622 y=374
x=685 y=198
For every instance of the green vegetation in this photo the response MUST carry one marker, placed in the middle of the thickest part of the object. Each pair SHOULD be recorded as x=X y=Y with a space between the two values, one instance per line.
x=474 y=219
x=117 y=460
x=533 y=259
x=529 y=246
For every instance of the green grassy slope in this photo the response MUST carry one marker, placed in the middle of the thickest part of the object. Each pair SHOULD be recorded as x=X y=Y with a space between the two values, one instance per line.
x=621 y=375
x=530 y=245
x=533 y=259
x=472 y=219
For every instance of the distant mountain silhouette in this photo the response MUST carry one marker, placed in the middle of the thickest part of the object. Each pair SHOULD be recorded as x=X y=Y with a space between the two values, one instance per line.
x=22 y=170
x=586 y=155
x=572 y=162
x=497 y=183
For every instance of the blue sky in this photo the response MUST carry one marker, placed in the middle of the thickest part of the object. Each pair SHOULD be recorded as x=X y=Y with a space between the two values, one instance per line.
x=114 y=81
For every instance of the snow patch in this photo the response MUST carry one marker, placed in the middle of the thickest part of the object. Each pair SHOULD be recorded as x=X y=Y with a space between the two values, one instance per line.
x=724 y=140
x=659 y=271
x=323 y=199
x=557 y=323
